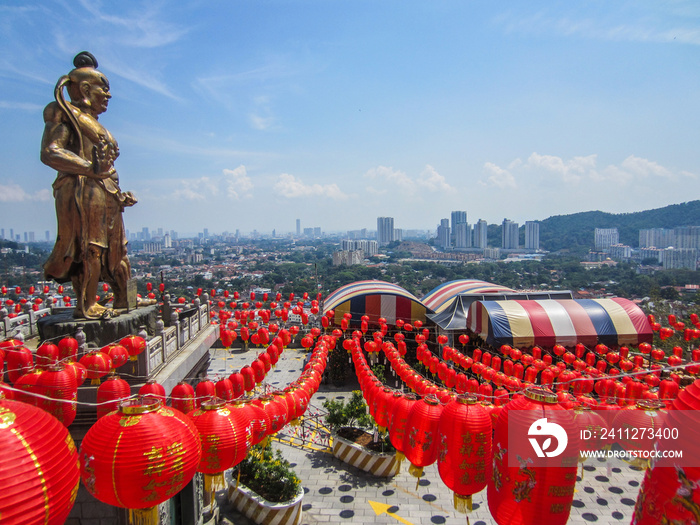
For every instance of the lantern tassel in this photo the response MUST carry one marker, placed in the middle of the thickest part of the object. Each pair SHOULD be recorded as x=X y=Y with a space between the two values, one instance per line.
x=147 y=516
x=462 y=503
x=95 y=381
x=214 y=483
x=417 y=472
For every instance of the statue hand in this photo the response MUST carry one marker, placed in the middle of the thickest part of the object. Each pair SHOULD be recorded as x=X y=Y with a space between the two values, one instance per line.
x=102 y=160
x=129 y=199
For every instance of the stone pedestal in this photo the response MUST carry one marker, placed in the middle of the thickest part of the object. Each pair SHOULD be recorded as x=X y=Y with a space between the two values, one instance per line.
x=101 y=331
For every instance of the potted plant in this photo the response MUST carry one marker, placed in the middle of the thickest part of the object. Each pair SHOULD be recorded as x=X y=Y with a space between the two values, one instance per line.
x=265 y=488
x=353 y=444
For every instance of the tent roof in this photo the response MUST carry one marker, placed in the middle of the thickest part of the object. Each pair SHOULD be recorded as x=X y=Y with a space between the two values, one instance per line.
x=347 y=292
x=439 y=298
x=454 y=316
x=548 y=322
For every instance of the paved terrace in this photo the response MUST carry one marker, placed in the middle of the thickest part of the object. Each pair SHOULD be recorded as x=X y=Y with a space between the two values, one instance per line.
x=338 y=493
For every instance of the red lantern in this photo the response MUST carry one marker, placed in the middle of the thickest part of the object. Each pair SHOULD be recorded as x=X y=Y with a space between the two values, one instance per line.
x=222 y=434
x=117 y=353
x=182 y=397
x=39 y=469
x=110 y=393
x=420 y=441
x=154 y=389
x=398 y=419
x=46 y=355
x=56 y=383
x=98 y=364
x=205 y=389
x=464 y=458
x=519 y=492
x=139 y=456
x=134 y=345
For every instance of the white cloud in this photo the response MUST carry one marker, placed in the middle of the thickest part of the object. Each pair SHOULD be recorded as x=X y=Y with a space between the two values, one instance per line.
x=289 y=186
x=23 y=106
x=13 y=193
x=199 y=189
x=499 y=177
x=238 y=183
x=550 y=171
x=428 y=180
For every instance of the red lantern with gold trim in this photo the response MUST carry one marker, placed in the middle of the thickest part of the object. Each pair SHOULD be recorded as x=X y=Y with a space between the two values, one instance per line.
x=182 y=397
x=139 y=456
x=222 y=433
x=98 y=365
x=154 y=389
x=464 y=455
x=518 y=492
x=68 y=349
x=134 y=345
x=204 y=390
x=420 y=442
x=39 y=470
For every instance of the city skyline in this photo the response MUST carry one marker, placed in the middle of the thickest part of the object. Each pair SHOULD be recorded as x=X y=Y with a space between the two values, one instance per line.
x=242 y=115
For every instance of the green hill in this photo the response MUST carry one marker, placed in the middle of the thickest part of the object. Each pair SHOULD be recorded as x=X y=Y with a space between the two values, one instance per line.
x=576 y=230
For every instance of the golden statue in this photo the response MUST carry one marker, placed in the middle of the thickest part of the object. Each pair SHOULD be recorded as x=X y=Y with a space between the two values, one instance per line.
x=91 y=241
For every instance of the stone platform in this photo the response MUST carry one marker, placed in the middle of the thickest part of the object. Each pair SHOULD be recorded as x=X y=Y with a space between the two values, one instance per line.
x=99 y=332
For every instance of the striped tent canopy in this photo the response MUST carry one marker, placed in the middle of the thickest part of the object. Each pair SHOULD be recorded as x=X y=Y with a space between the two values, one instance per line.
x=438 y=299
x=566 y=322
x=375 y=299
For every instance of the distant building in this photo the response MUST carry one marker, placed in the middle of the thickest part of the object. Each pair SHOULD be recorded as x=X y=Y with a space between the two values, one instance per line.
x=463 y=235
x=298 y=227
x=510 y=236
x=651 y=253
x=481 y=233
x=620 y=252
x=443 y=234
x=604 y=238
x=532 y=235
x=385 y=230
x=457 y=217
x=677 y=258
x=152 y=247
x=348 y=257
x=368 y=247
x=657 y=238
x=687 y=237
x=317 y=232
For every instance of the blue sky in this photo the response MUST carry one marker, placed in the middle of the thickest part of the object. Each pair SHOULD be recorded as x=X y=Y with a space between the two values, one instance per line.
x=249 y=114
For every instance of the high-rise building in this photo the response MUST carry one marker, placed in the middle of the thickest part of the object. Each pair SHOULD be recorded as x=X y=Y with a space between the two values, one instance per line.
x=481 y=233
x=510 y=235
x=687 y=237
x=457 y=217
x=385 y=230
x=443 y=234
x=167 y=241
x=532 y=235
x=298 y=227
x=604 y=238
x=657 y=238
x=48 y=236
x=676 y=258
x=463 y=235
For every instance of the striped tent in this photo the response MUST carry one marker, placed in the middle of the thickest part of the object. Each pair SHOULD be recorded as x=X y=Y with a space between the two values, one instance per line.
x=375 y=299
x=566 y=322
x=441 y=297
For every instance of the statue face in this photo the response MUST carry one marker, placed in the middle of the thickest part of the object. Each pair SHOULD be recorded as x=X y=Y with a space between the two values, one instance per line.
x=97 y=92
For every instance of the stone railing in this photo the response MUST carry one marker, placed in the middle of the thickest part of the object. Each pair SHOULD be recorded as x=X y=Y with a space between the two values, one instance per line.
x=24 y=324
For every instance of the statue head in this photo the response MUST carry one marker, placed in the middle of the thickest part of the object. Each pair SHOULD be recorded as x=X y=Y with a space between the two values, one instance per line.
x=87 y=87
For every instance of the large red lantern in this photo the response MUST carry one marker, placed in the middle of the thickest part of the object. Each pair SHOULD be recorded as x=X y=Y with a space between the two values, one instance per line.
x=139 y=456
x=398 y=419
x=117 y=353
x=68 y=349
x=464 y=455
x=520 y=493
x=420 y=442
x=46 y=355
x=39 y=472
x=222 y=433
x=154 y=389
x=20 y=361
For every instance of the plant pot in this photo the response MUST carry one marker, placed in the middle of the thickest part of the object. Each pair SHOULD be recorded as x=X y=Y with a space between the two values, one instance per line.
x=383 y=465
x=260 y=510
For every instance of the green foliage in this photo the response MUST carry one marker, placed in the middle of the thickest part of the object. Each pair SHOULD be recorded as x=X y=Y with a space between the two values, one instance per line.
x=378 y=370
x=267 y=473
x=350 y=414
